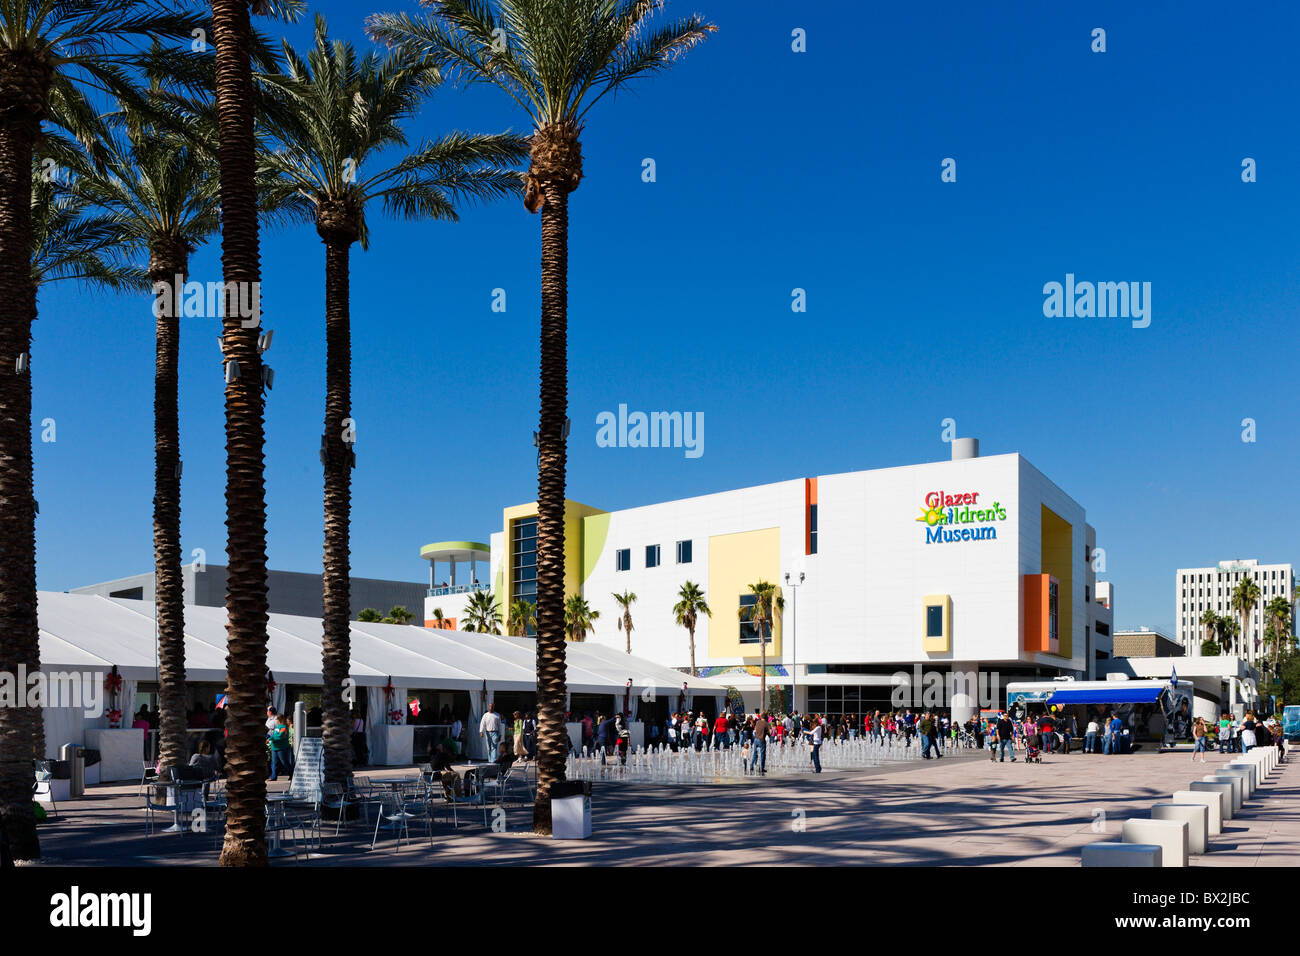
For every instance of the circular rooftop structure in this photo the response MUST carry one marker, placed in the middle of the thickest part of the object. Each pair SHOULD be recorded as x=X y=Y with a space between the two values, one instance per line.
x=456 y=551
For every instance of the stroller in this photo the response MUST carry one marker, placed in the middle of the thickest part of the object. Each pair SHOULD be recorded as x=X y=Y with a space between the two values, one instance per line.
x=1033 y=748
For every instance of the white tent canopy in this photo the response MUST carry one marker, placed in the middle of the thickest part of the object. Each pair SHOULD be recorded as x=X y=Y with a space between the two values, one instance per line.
x=86 y=632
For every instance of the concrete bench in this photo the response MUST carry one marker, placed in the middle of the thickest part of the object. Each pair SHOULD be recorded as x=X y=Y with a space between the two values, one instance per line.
x=1247 y=775
x=1265 y=757
x=1238 y=788
x=1223 y=788
x=1122 y=854
x=1252 y=769
x=1197 y=816
x=1213 y=803
x=1171 y=835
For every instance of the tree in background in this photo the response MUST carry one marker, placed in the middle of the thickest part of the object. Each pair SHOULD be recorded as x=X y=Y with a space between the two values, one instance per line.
x=625 y=602
x=686 y=612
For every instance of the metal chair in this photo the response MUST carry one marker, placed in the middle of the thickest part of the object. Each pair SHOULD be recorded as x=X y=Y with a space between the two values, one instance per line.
x=475 y=799
x=149 y=773
x=392 y=816
x=281 y=821
x=151 y=805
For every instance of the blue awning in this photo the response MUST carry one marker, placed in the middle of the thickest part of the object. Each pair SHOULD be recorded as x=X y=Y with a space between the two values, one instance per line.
x=1108 y=695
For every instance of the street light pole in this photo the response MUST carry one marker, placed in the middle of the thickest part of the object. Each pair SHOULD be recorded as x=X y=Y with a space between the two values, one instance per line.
x=794 y=622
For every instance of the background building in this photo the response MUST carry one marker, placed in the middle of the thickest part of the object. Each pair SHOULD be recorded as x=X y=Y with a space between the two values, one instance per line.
x=970 y=564
x=288 y=592
x=1199 y=589
x=1146 y=642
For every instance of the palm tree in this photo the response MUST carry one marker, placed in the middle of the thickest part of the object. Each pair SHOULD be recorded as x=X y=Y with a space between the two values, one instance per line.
x=71 y=240
x=690 y=605
x=579 y=618
x=438 y=619
x=767 y=603
x=521 y=617
x=1278 y=612
x=1244 y=598
x=481 y=614
x=556 y=59
x=246 y=601
x=50 y=53
x=340 y=122
x=625 y=601
x=1209 y=620
x=396 y=615
x=1227 y=629
x=370 y=616
x=162 y=197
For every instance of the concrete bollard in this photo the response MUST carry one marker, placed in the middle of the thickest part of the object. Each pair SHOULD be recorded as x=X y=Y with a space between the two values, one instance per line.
x=1247 y=775
x=1238 y=788
x=1171 y=835
x=1224 y=788
x=1122 y=854
x=1198 y=822
x=1252 y=770
x=1213 y=803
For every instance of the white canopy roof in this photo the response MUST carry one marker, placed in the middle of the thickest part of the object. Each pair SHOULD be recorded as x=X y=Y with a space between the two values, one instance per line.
x=91 y=632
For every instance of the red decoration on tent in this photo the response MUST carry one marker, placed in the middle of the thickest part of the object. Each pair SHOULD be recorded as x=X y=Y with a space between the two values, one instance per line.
x=415 y=708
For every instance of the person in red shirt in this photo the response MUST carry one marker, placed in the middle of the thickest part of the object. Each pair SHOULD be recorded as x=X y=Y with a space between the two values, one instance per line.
x=720 y=732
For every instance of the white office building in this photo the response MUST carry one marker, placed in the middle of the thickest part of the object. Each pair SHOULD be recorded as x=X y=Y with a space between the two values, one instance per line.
x=1197 y=590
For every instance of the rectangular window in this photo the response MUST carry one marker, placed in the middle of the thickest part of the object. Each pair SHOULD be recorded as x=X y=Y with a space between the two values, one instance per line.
x=1052 y=599
x=812 y=529
x=748 y=631
x=652 y=555
x=623 y=559
x=523 y=562
x=683 y=552
x=934 y=620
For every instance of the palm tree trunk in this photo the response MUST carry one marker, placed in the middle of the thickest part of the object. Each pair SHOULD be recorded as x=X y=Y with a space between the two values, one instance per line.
x=168 y=266
x=762 y=667
x=551 y=460
x=246 y=602
x=336 y=641
x=24 y=92
x=691 y=631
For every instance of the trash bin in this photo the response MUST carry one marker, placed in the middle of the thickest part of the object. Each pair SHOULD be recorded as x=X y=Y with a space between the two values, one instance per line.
x=571 y=809
x=77 y=766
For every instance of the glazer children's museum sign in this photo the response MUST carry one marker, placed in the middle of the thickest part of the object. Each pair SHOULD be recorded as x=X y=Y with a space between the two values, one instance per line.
x=942 y=512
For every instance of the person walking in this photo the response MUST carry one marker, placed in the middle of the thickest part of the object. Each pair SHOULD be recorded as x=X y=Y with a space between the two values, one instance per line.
x=1248 y=738
x=926 y=729
x=815 y=743
x=720 y=738
x=1004 y=735
x=758 y=749
x=1090 y=737
x=1199 y=738
x=281 y=754
x=490 y=727
x=1225 y=733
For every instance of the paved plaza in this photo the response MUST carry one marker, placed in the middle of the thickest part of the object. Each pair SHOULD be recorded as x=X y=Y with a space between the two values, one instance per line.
x=941 y=813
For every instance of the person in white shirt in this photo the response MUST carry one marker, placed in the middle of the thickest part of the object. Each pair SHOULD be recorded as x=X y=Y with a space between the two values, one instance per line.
x=1090 y=737
x=490 y=727
x=815 y=738
x=271 y=719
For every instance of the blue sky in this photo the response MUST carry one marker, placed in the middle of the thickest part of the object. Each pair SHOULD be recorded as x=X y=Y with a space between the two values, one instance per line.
x=779 y=170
